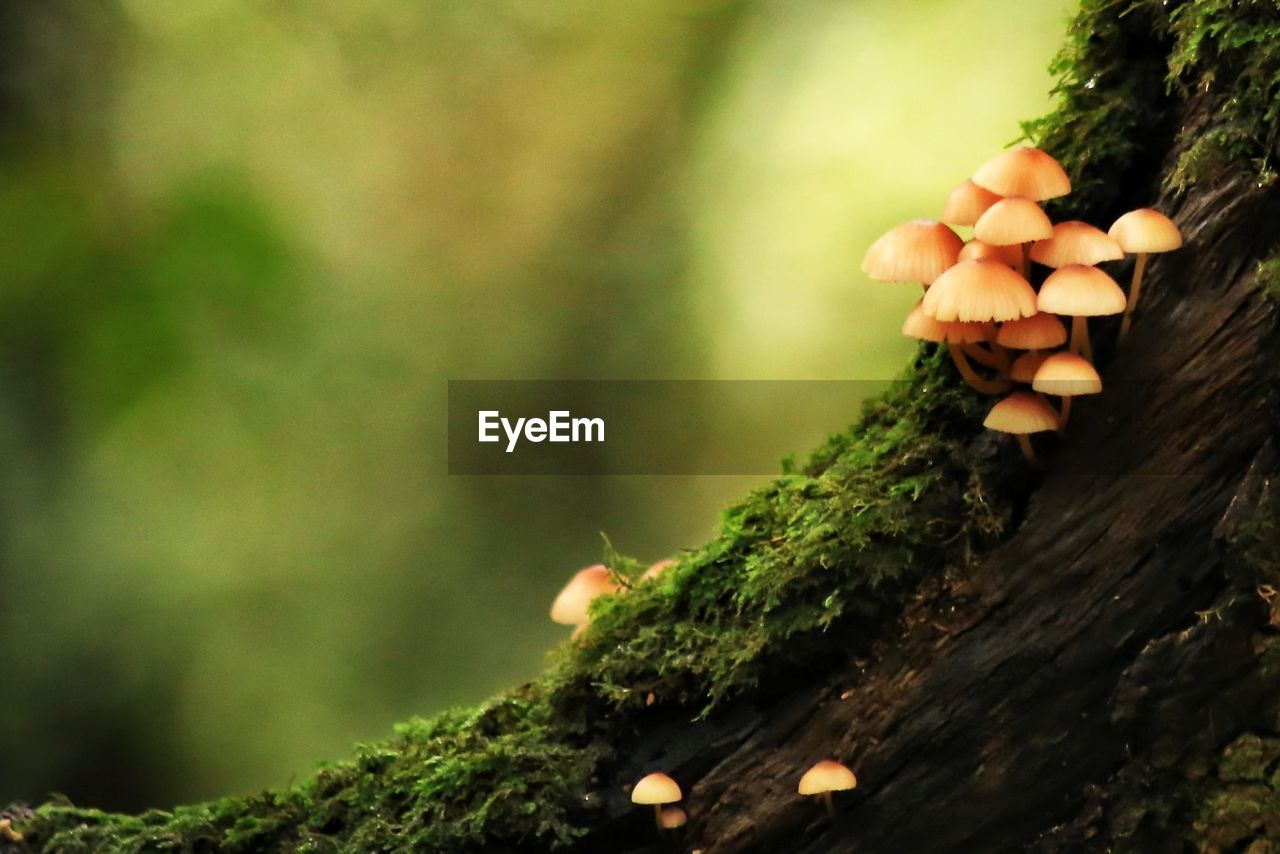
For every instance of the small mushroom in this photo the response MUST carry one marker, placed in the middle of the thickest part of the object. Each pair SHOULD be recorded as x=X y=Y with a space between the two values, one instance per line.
x=672 y=818
x=8 y=832
x=982 y=291
x=1023 y=369
x=1024 y=171
x=656 y=789
x=916 y=251
x=657 y=569
x=1015 y=220
x=961 y=338
x=978 y=251
x=1081 y=292
x=1076 y=242
x=966 y=203
x=1021 y=414
x=1040 y=331
x=1142 y=232
x=571 y=606
x=824 y=778
x=1066 y=375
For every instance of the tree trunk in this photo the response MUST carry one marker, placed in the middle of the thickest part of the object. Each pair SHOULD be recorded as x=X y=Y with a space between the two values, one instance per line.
x=1105 y=678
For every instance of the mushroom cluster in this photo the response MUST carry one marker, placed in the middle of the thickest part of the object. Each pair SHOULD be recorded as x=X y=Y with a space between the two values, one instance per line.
x=1002 y=331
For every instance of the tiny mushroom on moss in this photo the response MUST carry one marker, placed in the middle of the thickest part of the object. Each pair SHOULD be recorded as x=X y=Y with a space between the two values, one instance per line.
x=916 y=251
x=1066 y=375
x=658 y=568
x=966 y=203
x=1142 y=232
x=1081 y=292
x=1021 y=414
x=656 y=789
x=571 y=605
x=824 y=778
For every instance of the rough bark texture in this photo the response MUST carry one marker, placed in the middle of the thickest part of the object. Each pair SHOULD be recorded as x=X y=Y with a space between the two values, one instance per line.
x=1105 y=678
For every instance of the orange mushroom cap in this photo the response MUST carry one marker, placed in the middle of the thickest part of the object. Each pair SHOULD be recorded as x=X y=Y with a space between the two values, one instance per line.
x=1023 y=369
x=1023 y=171
x=1021 y=413
x=916 y=251
x=570 y=607
x=1040 y=331
x=1146 y=230
x=1076 y=242
x=922 y=326
x=981 y=291
x=1067 y=375
x=827 y=776
x=658 y=568
x=656 y=788
x=1013 y=220
x=966 y=203
x=673 y=818
x=1080 y=291
x=976 y=250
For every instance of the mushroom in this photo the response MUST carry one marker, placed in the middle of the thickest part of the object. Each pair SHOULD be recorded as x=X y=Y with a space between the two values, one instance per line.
x=8 y=832
x=672 y=818
x=966 y=203
x=571 y=606
x=984 y=291
x=916 y=251
x=1015 y=220
x=1021 y=414
x=1023 y=369
x=977 y=250
x=824 y=778
x=1081 y=292
x=656 y=789
x=962 y=339
x=1040 y=331
x=1066 y=375
x=1076 y=242
x=1023 y=171
x=657 y=569
x=1142 y=232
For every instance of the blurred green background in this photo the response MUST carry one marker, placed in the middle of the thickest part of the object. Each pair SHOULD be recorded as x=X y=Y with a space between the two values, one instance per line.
x=243 y=245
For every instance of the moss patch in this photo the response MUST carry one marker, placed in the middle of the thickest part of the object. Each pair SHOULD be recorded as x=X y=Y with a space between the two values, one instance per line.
x=815 y=562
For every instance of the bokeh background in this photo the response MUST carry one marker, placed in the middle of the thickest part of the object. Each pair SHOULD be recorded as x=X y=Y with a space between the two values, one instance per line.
x=244 y=245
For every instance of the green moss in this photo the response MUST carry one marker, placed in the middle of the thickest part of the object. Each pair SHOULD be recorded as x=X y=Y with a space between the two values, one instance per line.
x=1267 y=278
x=816 y=561
x=1228 y=50
x=1241 y=806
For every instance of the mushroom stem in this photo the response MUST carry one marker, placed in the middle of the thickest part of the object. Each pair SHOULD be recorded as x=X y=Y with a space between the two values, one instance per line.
x=657 y=818
x=1080 y=344
x=1026 y=261
x=1024 y=442
x=1064 y=414
x=826 y=802
x=966 y=371
x=1135 y=288
x=983 y=356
